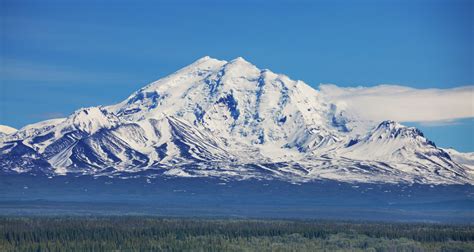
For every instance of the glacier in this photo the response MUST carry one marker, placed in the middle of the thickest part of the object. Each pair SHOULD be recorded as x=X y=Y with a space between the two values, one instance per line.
x=233 y=121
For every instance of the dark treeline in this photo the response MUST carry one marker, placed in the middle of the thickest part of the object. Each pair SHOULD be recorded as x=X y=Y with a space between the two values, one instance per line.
x=168 y=234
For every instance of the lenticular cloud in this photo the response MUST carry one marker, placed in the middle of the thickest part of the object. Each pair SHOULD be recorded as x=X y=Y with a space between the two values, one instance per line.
x=405 y=104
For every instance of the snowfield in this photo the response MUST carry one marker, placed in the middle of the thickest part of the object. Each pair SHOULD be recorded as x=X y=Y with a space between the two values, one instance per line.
x=230 y=120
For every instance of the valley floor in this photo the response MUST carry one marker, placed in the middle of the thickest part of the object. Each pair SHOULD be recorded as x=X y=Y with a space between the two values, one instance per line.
x=135 y=233
x=25 y=195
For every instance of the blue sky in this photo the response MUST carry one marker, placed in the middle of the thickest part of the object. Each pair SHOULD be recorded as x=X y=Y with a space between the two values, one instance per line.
x=57 y=56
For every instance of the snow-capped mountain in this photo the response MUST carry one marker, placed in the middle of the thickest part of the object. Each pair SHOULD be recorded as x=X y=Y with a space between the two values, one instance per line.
x=234 y=121
x=6 y=130
x=465 y=159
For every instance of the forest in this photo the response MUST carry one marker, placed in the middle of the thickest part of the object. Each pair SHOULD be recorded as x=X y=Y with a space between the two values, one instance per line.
x=141 y=233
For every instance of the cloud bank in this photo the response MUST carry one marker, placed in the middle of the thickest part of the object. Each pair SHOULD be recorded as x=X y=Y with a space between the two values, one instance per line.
x=403 y=104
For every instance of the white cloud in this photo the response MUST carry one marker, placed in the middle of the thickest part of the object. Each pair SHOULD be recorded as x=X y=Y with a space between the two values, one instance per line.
x=403 y=104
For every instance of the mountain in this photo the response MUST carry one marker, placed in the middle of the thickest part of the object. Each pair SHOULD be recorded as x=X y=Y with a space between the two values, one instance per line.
x=6 y=130
x=233 y=121
x=465 y=159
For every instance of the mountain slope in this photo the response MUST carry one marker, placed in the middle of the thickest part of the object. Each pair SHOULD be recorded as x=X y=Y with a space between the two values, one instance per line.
x=6 y=130
x=465 y=159
x=230 y=120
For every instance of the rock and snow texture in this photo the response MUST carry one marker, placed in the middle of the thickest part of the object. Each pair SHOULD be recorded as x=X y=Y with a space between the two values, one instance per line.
x=234 y=121
x=465 y=159
x=6 y=130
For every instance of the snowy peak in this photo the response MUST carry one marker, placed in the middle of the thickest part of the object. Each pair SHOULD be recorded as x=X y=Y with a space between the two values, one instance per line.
x=465 y=159
x=232 y=120
x=7 y=130
x=234 y=99
x=90 y=120
x=241 y=59
x=204 y=63
x=239 y=67
x=393 y=136
x=388 y=130
x=393 y=141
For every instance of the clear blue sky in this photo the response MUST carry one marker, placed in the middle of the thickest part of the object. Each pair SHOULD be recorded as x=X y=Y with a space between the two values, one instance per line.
x=57 y=56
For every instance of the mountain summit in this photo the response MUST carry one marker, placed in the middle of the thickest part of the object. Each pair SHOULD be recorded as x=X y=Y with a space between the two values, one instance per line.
x=230 y=120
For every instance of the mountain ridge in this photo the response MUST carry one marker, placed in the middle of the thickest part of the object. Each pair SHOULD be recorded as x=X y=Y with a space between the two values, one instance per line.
x=234 y=121
x=6 y=130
